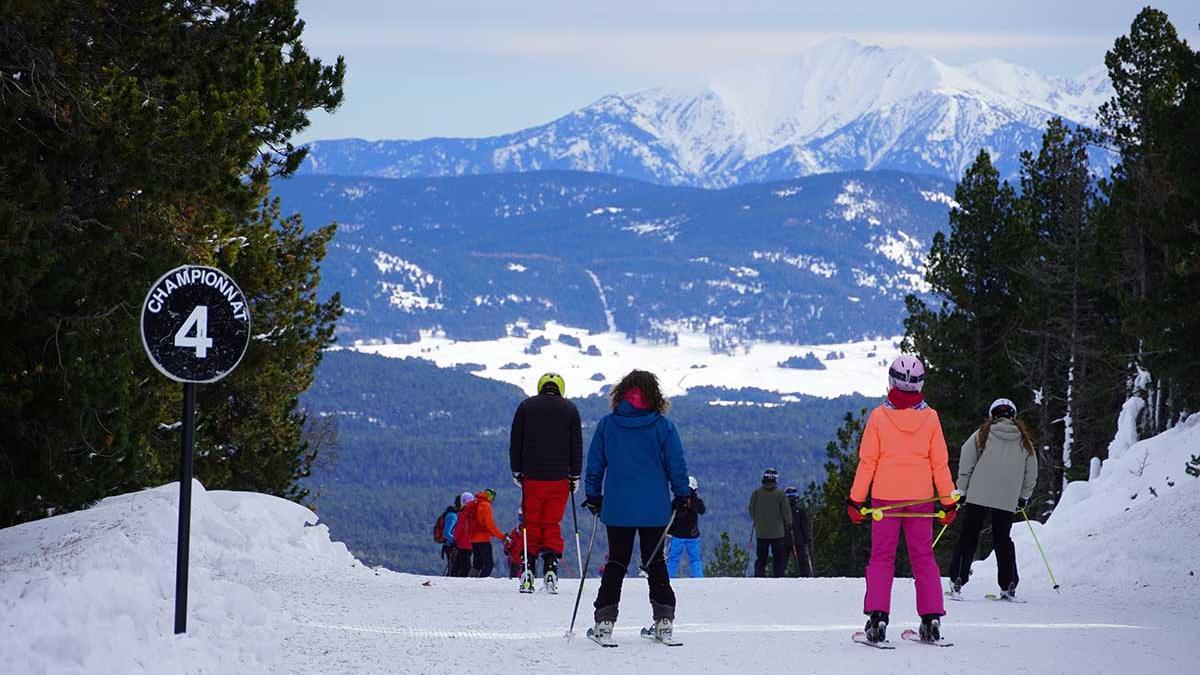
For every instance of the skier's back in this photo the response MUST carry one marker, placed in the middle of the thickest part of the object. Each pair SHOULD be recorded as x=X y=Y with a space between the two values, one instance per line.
x=903 y=463
x=798 y=540
x=685 y=535
x=997 y=471
x=772 y=519
x=635 y=463
x=546 y=456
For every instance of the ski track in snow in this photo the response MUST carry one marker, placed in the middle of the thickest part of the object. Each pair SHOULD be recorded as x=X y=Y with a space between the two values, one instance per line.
x=610 y=322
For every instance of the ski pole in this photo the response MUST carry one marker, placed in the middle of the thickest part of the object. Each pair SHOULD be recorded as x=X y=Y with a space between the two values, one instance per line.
x=583 y=575
x=876 y=512
x=1039 y=547
x=575 y=520
x=939 y=537
x=645 y=566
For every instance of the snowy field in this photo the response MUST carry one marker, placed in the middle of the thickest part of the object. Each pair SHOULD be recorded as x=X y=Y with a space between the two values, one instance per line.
x=689 y=364
x=91 y=592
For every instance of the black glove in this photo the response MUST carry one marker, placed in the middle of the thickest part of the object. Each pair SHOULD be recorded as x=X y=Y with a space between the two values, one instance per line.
x=681 y=503
x=573 y=482
x=519 y=478
x=1021 y=502
x=593 y=504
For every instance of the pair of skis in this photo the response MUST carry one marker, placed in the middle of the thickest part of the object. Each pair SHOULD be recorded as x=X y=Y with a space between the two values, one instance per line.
x=551 y=582
x=911 y=635
x=647 y=633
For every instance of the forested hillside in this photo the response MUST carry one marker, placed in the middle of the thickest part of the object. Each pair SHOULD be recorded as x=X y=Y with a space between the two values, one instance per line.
x=412 y=435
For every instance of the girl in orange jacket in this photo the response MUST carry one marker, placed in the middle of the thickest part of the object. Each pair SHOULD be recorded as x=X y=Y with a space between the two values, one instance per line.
x=903 y=459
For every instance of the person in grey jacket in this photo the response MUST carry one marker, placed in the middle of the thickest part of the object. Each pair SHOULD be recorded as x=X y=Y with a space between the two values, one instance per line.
x=997 y=472
x=772 y=519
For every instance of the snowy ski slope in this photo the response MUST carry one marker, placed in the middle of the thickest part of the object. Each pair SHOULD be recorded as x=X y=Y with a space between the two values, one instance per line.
x=91 y=592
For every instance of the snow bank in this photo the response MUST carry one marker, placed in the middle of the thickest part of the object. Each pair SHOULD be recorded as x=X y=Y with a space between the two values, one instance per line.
x=93 y=591
x=1130 y=529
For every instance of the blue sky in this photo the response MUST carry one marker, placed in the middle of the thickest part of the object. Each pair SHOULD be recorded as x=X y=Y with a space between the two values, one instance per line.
x=480 y=68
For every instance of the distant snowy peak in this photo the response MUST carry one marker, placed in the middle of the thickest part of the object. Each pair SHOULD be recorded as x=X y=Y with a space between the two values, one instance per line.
x=837 y=106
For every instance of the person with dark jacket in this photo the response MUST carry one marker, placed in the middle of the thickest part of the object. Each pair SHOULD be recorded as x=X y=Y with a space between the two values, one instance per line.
x=634 y=465
x=545 y=454
x=685 y=536
x=797 y=540
x=997 y=472
x=772 y=518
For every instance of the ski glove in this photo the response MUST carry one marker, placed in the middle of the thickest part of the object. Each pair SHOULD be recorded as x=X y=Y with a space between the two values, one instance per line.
x=854 y=510
x=573 y=482
x=593 y=504
x=681 y=504
x=508 y=542
x=519 y=478
x=951 y=512
x=1021 y=502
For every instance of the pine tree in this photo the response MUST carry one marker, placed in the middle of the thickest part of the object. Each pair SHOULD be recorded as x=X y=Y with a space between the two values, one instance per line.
x=1151 y=203
x=138 y=136
x=1193 y=466
x=728 y=559
x=965 y=341
x=840 y=548
x=1064 y=355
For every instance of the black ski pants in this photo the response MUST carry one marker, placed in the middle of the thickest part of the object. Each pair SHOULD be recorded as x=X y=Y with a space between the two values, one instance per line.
x=968 y=541
x=800 y=550
x=620 y=552
x=778 y=554
x=462 y=563
x=483 y=563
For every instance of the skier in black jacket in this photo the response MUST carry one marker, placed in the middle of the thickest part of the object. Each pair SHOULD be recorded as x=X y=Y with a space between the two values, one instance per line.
x=798 y=538
x=546 y=456
x=685 y=535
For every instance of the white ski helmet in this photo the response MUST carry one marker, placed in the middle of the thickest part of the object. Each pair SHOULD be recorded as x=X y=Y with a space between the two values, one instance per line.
x=467 y=497
x=693 y=483
x=907 y=373
x=999 y=405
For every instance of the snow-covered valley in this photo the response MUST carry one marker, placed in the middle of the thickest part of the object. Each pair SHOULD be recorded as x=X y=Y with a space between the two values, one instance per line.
x=857 y=367
x=91 y=592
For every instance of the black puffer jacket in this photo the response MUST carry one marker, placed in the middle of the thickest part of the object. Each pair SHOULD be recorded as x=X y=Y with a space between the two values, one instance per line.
x=546 y=442
x=687 y=523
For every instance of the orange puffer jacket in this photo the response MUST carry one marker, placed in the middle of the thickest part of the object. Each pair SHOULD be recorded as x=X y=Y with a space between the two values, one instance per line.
x=903 y=456
x=484 y=527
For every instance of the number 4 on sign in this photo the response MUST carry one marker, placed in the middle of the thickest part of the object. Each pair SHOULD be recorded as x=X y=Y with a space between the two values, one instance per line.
x=200 y=342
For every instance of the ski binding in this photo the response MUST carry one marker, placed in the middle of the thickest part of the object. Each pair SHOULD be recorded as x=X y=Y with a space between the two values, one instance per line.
x=648 y=633
x=914 y=636
x=1001 y=598
x=602 y=641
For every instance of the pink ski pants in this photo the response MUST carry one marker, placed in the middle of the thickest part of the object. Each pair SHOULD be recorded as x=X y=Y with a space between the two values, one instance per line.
x=918 y=533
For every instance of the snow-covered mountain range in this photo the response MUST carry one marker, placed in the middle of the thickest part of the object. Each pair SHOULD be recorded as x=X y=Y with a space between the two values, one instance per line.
x=838 y=106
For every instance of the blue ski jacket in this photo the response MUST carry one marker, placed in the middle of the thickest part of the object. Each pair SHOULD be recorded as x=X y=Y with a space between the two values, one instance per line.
x=635 y=462
x=448 y=527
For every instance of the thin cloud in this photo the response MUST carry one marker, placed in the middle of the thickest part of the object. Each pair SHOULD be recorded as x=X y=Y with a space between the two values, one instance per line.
x=675 y=51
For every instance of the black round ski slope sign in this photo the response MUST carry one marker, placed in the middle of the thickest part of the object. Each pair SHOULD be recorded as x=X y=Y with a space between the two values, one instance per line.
x=195 y=324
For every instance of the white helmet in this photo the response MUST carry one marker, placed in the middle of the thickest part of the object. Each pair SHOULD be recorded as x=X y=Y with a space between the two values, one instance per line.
x=907 y=373
x=467 y=497
x=996 y=409
x=693 y=483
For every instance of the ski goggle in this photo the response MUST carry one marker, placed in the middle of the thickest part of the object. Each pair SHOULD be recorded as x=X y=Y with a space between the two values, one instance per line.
x=905 y=377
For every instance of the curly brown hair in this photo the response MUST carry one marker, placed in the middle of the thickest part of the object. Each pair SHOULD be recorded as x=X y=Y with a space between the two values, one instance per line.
x=648 y=383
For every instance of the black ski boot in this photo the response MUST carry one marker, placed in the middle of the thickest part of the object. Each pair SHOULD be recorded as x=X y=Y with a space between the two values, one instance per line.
x=876 y=629
x=1009 y=593
x=550 y=568
x=931 y=628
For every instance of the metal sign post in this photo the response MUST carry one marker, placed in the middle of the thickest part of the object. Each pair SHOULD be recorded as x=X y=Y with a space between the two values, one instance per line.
x=195 y=328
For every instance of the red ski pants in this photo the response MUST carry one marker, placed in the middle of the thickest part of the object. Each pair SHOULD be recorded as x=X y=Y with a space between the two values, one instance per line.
x=545 y=503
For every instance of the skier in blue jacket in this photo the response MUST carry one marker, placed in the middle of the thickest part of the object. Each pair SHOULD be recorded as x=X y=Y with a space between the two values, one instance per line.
x=634 y=464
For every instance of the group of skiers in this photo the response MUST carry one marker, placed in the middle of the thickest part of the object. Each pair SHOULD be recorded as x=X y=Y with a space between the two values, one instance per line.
x=904 y=467
x=780 y=528
x=636 y=482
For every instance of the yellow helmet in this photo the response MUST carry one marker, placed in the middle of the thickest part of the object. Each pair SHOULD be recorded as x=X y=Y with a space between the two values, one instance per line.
x=554 y=378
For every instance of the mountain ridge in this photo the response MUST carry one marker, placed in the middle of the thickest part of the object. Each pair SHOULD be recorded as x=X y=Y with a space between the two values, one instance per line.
x=838 y=106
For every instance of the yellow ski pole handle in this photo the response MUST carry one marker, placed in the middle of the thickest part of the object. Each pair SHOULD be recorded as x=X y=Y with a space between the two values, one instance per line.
x=954 y=497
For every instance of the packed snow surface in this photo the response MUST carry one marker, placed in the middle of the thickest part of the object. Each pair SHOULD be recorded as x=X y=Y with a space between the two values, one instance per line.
x=690 y=363
x=92 y=592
